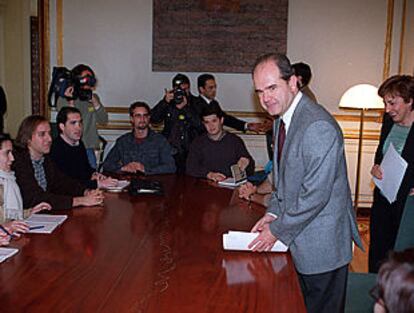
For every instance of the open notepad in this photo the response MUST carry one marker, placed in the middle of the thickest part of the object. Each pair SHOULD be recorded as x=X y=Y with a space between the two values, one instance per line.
x=44 y=223
x=6 y=253
x=239 y=240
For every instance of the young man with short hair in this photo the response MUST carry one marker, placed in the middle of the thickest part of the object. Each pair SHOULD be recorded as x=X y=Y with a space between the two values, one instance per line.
x=211 y=154
x=69 y=152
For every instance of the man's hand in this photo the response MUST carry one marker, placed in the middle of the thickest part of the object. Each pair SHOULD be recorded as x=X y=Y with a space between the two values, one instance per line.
x=243 y=163
x=40 y=207
x=107 y=182
x=95 y=102
x=216 y=176
x=96 y=192
x=265 y=240
x=98 y=176
x=169 y=95
x=133 y=167
x=90 y=198
x=376 y=171
x=411 y=192
x=246 y=190
x=259 y=226
x=4 y=239
x=259 y=127
x=69 y=92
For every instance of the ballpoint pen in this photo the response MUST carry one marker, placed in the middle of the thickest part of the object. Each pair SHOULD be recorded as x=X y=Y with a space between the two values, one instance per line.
x=5 y=231
x=36 y=227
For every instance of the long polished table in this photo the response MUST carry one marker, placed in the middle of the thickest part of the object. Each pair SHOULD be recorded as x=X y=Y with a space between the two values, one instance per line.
x=150 y=254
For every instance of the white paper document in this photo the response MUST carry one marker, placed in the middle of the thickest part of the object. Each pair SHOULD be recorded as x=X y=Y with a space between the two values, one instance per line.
x=230 y=182
x=393 y=169
x=121 y=185
x=238 y=240
x=6 y=253
x=44 y=223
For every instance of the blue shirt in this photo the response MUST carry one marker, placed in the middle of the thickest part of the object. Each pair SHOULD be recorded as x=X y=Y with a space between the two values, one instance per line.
x=154 y=152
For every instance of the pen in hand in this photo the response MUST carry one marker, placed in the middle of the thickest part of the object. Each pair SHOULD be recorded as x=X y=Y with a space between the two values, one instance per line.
x=6 y=231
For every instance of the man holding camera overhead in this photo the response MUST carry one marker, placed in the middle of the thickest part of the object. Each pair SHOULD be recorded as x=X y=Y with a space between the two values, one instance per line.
x=81 y=96
x=181 y=122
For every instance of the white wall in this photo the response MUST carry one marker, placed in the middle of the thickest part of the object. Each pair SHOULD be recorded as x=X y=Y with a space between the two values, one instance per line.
x=343 y=42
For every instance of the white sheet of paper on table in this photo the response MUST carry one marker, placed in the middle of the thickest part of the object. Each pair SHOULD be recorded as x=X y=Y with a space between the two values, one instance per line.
x=49 y=223
x=239 y=241
x=6 y=253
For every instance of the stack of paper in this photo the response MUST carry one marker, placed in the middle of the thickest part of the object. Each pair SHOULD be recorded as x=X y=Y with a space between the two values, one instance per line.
x=44 y=223
x=238 y=240
x=6 y=253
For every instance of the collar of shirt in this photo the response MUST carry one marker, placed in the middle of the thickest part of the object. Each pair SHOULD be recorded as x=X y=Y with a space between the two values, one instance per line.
x=69 y=143
x=287 y=117
x=206 y=99
x=39 y=162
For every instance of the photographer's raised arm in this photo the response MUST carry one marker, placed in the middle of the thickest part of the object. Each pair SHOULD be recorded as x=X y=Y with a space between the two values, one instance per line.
x=101 y=114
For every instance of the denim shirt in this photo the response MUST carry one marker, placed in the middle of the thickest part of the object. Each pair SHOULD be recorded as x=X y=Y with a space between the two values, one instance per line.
x=154 y=153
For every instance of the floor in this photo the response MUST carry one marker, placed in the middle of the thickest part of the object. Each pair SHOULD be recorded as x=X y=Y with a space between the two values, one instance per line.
x=360 y=260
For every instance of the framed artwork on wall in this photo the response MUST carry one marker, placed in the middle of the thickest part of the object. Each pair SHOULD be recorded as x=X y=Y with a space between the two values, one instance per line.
x=216 y=35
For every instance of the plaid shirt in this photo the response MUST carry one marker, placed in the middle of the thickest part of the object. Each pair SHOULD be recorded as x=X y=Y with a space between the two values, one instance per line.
x=39 y=173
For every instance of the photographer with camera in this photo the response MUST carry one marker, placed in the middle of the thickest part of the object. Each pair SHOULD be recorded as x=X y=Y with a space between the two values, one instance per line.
x=78 y=92
x=181 y=122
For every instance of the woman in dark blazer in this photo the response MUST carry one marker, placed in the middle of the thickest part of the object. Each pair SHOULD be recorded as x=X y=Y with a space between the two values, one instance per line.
x=398 y=129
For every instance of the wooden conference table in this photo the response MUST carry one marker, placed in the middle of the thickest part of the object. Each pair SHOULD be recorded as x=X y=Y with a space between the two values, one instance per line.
x=150 y=254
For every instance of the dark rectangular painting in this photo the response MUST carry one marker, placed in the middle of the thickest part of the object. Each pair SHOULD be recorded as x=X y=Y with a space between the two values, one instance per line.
x=216 y=35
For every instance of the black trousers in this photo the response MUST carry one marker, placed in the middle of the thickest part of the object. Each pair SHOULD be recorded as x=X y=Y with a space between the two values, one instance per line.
x=384 y=223
x=326 y=292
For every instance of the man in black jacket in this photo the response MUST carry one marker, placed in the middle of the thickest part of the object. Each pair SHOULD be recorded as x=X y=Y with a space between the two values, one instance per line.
x=181 y=122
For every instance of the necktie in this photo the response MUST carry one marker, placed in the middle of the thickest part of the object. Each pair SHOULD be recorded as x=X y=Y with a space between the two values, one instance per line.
x=280 y=140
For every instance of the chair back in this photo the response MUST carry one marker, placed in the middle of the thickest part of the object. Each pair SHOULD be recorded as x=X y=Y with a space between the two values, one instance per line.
x=405 y=236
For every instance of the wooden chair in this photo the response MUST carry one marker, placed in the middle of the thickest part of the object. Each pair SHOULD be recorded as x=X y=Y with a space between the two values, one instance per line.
x=358 y=299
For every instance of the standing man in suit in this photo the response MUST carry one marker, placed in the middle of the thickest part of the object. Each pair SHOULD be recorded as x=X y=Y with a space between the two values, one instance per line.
x=311 y=208
x=207 y=88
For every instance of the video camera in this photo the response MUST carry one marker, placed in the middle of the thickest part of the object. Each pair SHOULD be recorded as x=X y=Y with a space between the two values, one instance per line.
x=179 y=93
x=63 y=78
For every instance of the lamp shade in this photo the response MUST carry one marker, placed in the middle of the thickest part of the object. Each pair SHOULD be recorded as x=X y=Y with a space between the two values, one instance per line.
x=362 y=96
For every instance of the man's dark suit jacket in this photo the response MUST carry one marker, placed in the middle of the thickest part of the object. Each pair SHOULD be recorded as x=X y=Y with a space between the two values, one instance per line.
x=229 y=121
x=60 y=190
